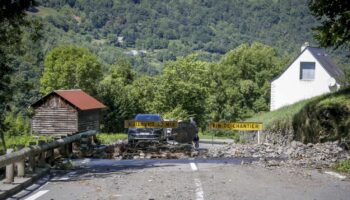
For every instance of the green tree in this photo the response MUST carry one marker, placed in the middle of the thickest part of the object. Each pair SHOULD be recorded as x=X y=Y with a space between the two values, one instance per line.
x=177 y=114
x=240 y=82
x=12 y=18
x=334 y=16
x=69 y=67
x=182 y=88
x=115 y=91
x=16 y=124
x=123 y=72
x=143 y=90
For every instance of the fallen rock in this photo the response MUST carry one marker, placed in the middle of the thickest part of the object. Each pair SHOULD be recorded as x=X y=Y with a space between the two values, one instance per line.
x=295 y=153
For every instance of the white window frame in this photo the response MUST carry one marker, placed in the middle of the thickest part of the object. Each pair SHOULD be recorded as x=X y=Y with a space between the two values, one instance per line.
x=308 y=66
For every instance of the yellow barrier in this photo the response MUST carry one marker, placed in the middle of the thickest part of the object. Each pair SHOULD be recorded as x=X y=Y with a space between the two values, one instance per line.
x=150 y=124
x=242 y=126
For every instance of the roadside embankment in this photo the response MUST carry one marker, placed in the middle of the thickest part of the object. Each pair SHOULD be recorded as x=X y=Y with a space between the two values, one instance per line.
x=320 y=119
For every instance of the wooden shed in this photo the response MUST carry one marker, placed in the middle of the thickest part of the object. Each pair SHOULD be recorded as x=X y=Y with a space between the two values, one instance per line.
x=64 y=112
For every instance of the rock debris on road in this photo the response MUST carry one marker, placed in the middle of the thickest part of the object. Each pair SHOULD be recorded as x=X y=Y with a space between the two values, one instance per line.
x=226 y=171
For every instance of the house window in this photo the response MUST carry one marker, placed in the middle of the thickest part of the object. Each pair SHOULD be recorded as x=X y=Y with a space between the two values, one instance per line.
x=307 y=71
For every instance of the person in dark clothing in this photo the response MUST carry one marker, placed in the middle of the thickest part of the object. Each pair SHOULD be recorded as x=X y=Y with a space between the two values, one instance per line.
x=196 y=137
x=196 y=141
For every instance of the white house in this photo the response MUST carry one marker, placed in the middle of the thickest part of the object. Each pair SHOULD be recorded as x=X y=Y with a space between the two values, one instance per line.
x=311 y=74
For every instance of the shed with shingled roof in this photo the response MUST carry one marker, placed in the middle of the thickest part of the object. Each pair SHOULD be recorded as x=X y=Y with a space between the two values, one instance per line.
x=65 y=112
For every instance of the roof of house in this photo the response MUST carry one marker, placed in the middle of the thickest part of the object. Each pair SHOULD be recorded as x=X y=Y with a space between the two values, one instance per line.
x=325 y=61
x=77 y=98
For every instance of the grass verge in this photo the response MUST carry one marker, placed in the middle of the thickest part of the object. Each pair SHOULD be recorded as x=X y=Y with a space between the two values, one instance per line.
x=111 y=138
x=13 y=141
x=343 y=166
x=221 y=135
x=281 y=118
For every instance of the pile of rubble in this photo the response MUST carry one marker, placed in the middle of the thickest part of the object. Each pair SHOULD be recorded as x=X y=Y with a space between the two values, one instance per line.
x=122 y=150
x=295 y=153
x=161 y=151
x=321 y=155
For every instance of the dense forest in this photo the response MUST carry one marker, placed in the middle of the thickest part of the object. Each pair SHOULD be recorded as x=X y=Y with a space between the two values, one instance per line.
x=159 y=31
x=209 y=59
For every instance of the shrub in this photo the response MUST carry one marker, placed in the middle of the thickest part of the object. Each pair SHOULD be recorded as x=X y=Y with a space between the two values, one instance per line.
x=343 y=166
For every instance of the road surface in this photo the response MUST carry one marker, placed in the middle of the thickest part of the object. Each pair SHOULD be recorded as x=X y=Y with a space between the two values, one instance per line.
x=184 y=179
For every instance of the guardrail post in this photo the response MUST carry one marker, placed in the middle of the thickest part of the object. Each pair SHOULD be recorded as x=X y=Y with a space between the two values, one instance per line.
x=84 y=144
x=9 y=170
x=51 y=155
x=42 y=156
x=32 y=161
x=63 y=148
x=20 y=164
x=70 y=148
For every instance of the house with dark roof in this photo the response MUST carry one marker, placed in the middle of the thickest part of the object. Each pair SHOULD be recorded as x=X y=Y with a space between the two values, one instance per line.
x=311 y=74
x=64 y=112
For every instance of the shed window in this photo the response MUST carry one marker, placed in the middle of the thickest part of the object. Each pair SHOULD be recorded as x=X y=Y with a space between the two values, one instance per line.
x=307 y=70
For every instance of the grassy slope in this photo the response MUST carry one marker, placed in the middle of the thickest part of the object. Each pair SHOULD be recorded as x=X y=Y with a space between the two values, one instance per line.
x=322 y=118
x=281 y=118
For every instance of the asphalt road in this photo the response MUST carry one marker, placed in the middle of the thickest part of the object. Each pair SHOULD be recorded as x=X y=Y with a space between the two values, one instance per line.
x=184 y=179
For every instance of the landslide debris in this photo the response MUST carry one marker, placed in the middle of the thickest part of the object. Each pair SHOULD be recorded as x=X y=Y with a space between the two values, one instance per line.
x=122 y=150
x=320 y=155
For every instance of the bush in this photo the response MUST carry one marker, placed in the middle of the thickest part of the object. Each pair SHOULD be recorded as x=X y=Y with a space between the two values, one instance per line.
x=13 y=141
x=343 y=166
x=16 y=124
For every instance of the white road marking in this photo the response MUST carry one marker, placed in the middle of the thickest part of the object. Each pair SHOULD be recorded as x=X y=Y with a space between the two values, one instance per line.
x=197 y=182
x=71 y=173
x=199 y=189
x=67 y=176
x=86 y=160
x=336 y=175
x=37 y=195
x=193 y=166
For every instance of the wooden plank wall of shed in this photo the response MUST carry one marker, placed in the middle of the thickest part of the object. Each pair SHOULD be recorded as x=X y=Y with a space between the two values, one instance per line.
x=55 y=116
x=88 y=120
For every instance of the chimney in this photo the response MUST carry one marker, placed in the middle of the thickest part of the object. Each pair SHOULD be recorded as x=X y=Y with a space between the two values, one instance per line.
x=306 y=44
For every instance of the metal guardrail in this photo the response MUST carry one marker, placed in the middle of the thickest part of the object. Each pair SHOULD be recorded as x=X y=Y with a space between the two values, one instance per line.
x=17 y=158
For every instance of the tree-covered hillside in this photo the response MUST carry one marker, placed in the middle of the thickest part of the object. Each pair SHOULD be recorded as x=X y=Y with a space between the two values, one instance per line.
x=164 y=30
x=209 y=59
x=210 y=25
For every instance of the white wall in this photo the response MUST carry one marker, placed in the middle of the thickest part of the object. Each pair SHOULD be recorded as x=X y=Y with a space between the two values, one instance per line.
x=288 y=88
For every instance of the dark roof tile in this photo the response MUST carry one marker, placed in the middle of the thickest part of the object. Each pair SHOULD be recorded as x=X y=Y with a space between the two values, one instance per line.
x=326 y=62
